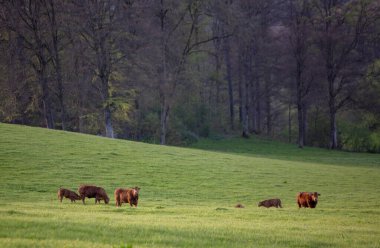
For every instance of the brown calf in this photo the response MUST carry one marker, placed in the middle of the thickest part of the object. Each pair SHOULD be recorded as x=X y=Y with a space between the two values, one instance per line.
x=67 y=194
x=271 y=203
x=307 y=199
x=91 y=191
x=130 y=196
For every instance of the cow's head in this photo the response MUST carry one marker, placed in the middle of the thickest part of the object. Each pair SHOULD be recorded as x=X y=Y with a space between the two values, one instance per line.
x=106 y=199
x=314 y=196
x=135 y=191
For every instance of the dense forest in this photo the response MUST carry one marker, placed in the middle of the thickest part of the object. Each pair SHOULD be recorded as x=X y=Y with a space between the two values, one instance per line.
x=171 y=71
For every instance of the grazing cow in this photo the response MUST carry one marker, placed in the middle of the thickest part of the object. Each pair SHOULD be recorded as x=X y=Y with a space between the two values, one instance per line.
x=271 y=203
x=90 y=191
x=130 y=196
x=307 y=199
x=67 y=194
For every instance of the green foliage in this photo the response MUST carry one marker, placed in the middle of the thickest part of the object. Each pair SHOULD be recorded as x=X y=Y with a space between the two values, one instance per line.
x=374 y=141
x=121 y=109
x=92 y=123
x=362 y=135
x=121 y=104
x=150 y=127
x=187 y=195
x=181 y=137
x=355 y=138
x=193 y=117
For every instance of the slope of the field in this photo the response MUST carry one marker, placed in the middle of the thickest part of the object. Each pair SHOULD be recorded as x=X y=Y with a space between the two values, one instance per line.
x=263 y=148
x=187 y=196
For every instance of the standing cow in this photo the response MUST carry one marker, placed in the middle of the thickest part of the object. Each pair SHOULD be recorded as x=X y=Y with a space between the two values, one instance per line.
x=130 y=196
x=307 y=199
x=91 y=191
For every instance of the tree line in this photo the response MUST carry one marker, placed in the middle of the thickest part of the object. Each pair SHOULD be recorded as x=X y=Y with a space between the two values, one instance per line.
x=169 y=72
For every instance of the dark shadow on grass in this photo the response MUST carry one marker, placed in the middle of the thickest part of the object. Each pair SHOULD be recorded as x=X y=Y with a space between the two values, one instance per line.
x=262 y=148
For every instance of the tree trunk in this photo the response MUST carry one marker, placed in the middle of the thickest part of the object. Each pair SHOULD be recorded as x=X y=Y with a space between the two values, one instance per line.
x=331 y=76
x=162 y=77
x=316 y=117
x=289 y=123
x=268 y=106
x=229 y=81
x=217 y=104
x=300 y=125
x=300 y=110
x=333 y=128
x=56 y=59
x=49 y=120
x=246 y=60
x=107 y=108
x=164 y=121
x=304 y=124
x=241 y=102
x=268 y=115
x=58 y=71
x=257 y=108
x=61 y=95
x=245 y=111
x=48 y=115
x=41 y=71
x=300 y=89
x=108 y=122
x=22 y=74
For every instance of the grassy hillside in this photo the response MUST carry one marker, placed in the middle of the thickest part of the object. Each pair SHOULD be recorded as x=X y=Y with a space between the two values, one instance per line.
x=187 y=195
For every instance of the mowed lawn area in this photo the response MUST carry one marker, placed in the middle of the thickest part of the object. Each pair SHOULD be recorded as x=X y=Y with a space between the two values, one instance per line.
x=187 y=195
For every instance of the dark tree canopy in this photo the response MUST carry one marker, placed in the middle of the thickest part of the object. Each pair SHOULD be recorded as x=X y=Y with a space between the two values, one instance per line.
x=172 y=71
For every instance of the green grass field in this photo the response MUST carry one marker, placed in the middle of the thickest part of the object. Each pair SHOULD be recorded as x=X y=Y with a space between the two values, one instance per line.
x=187 y=195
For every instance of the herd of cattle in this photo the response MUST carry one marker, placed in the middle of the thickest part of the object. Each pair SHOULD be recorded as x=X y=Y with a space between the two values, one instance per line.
x=131 y=196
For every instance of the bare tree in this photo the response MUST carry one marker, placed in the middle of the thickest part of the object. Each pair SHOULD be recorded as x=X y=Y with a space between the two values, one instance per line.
x=27 y=19
x=100 y=28
x=339 y=26
x=300 y=41
x=177 y=42
x=50 y=7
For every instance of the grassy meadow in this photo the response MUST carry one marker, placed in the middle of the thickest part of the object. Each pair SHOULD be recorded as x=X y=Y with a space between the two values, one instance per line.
x=187 y=195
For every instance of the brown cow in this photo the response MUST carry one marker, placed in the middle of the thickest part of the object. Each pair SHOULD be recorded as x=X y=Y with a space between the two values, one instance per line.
x=271 y=203
x=91 y=191
x=67 y=194
x=130 y=196
x=307 y=199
